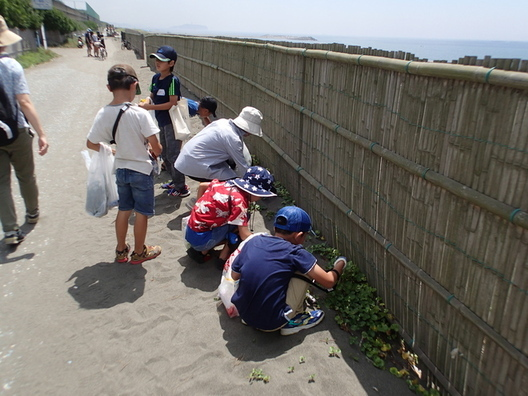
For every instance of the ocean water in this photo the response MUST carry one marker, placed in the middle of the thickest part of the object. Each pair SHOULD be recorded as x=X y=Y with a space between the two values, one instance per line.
x=431 y=49
x=437 y=49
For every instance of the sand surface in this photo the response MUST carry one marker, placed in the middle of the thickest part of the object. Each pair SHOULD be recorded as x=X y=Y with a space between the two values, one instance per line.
x=73 y=322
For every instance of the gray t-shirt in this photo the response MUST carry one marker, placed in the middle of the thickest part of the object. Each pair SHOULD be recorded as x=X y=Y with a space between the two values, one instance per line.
x=14 y=83
x=205 y=155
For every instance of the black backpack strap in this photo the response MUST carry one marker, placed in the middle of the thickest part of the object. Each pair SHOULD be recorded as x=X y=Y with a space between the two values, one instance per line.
x=124 y=108
x=8 y=117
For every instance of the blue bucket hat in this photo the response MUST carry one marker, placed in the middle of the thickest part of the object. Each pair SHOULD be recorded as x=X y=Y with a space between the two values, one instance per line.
x=165 y=53
x=293 y=218
x=257 y=181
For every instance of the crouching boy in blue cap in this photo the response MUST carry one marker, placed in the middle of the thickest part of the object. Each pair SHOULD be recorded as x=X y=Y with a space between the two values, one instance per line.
x=269 y=297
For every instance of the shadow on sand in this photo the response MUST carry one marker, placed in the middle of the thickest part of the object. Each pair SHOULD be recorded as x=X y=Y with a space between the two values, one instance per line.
x=105 y=285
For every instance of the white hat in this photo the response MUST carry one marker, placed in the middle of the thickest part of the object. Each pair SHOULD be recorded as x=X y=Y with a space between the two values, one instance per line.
x=249 y=120
x=7 y=37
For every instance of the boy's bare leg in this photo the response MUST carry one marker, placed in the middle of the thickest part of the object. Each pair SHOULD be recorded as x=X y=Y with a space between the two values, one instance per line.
x=121 y=227
x=140 y=232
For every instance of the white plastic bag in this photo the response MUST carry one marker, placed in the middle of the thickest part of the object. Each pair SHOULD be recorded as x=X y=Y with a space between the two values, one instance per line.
x=180 y=118
x=227 y=289
x=101 y=191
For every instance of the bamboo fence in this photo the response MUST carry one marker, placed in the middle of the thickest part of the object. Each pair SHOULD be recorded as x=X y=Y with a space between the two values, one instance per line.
x=417 y=171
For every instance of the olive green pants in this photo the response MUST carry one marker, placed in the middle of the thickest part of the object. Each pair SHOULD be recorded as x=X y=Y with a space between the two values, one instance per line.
x=18 y=154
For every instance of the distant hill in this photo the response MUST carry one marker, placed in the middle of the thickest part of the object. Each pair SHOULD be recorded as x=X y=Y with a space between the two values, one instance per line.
x=288 y=38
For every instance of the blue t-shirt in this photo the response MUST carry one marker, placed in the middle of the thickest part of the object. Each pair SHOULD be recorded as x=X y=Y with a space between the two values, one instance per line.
x=161 y=90
x=193 y=107
x=266 y=265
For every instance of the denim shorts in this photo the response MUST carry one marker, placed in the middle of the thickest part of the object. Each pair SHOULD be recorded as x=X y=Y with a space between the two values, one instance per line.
x=136 y=191
x=207 y=240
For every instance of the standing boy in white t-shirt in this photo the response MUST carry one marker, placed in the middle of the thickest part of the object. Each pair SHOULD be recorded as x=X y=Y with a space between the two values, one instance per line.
x=133 y=162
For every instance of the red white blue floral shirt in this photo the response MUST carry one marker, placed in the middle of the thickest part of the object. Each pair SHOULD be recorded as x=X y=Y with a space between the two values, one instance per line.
x=222 y=203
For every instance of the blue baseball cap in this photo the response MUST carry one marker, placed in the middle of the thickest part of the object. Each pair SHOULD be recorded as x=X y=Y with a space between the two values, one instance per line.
x=293 y=218
x=165 y=53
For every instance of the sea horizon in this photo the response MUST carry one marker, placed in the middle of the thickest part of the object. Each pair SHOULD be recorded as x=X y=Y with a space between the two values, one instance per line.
x=430 y=49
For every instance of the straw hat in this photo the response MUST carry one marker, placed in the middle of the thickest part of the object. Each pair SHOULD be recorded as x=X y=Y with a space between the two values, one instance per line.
x=249 y=120
x=7 y=37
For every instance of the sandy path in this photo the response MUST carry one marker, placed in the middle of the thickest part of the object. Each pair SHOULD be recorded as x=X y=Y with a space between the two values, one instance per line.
x=74 y=322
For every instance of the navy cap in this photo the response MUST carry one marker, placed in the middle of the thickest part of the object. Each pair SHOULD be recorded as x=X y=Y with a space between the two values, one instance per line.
x=293 y=218
x=165 y=53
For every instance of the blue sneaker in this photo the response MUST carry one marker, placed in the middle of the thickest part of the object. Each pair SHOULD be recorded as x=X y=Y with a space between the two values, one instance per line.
x=303 y=321
x=168 y=186
x=184 y=192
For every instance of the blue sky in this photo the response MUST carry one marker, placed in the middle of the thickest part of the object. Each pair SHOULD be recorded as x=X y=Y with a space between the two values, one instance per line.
x=448 y=19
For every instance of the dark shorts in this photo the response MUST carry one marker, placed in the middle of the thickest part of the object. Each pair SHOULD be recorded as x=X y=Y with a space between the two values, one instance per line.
x=136 y=191
x=208 y=239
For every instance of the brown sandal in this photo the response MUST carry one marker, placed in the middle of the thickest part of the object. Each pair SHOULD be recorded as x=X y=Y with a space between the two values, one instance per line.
x=122 y=256
x=149 y=253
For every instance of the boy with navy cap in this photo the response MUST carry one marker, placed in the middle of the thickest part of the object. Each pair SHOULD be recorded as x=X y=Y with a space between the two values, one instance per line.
x=269 y=297
x=165 y=93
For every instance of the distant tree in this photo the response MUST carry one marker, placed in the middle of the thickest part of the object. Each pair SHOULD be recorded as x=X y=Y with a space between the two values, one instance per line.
x=58 y=21
x=20 y=14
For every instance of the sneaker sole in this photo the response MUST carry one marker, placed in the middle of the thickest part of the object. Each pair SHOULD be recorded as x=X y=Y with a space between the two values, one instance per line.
x=294 y=330
x=13 y=241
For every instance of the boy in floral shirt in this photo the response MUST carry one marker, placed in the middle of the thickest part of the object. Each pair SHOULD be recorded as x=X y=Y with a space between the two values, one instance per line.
x=223 y=210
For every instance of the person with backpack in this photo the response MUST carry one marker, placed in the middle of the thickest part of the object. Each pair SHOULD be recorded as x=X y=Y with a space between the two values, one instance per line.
x=17 y=112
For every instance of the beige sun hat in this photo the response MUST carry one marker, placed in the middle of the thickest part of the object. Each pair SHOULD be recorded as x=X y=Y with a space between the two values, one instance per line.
x=249 y=120
x=7 y=37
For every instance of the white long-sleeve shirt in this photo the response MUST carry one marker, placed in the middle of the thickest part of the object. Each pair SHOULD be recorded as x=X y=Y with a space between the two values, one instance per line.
x=205 y=155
